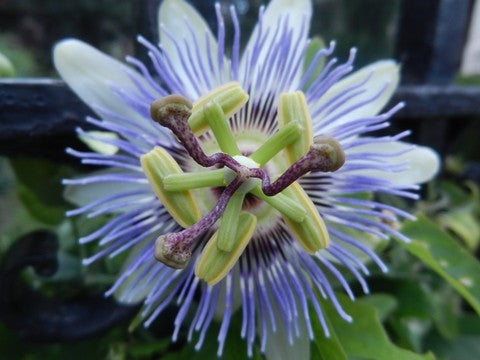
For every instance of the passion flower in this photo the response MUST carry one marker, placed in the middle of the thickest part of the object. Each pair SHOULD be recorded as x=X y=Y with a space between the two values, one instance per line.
x=249 y=180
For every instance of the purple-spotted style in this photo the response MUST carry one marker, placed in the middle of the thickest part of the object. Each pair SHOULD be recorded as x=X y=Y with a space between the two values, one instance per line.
x=281 y=269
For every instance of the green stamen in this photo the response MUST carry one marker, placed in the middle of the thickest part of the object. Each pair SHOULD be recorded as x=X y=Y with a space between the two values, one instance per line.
x=286 y=205
x=312 y=233
x=230 y=97
x=217 y=121
x=214 y=264
x=293 y=107
x=194 y=180
x=285 y=136
x=229 y=222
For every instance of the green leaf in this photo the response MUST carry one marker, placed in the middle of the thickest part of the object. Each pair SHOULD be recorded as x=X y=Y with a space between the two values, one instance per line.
x=235 y=347
x=51 y=215
x=409 y=332
x=15 y=220
x=384 y=304
x=413 y=298
x=142 y=350
x=415 y=308
x=365 y=337
x=461 y=347
x=469 y=324
x=461 y=211
x=454 y=193
x=37 y=190
x=43 y=178
x=324 y=348
x=448 y=259
x=446 y=309
x=464 y=223
x=6 y=67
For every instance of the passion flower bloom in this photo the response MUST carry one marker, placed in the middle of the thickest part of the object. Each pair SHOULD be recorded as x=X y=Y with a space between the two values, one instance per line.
x=247 y=179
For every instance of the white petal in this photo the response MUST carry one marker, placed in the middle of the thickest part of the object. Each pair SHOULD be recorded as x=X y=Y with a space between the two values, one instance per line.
x=82 y=195
x=299 y=13
x=92 y=75
x=279 y=348
x=98 y=145
x=175 y=16
x=423 y=162
x=383 y=78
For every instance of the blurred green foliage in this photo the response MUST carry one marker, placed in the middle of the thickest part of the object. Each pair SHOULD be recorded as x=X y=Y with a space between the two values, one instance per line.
x=368 y=25
x=30 y=28
x=6 y=67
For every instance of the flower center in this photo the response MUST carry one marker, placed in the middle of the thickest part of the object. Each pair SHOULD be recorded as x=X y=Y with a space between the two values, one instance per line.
x=247 y=141
x=235 y=178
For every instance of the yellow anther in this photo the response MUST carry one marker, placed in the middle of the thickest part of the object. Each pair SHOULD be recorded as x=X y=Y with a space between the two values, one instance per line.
x=230 y=97
x=311 y=233
x=293 y=107
x=181 y=205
